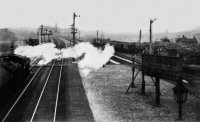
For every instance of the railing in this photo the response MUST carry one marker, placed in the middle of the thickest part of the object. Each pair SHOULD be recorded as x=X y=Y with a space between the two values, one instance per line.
x=191 y=59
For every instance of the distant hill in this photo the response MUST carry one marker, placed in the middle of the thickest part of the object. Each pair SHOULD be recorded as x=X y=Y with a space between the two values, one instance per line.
x=89 y=35
x=24 y=33
x=124 y=37
x=132 y=37
x=197 y=29
x=173 y=36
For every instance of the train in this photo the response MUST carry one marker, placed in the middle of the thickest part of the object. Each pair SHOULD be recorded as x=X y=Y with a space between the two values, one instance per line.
x=123 y=47
x=14 y=69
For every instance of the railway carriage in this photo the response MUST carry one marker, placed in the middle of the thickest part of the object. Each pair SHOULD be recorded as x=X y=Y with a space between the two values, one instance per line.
x=123 y=47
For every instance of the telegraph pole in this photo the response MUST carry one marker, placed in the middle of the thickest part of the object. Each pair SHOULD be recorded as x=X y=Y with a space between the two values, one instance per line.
x=140 y=36
x=74 y=30
x=97 y=36
x=150 y=48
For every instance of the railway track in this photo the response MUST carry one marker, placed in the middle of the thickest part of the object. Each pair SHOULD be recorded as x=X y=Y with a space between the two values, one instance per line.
x=59 y=43
x=70 y=41
x=53 y=92
x=120 y=58
x=11 y=111
x=38 y=100
x=66 y=42
x=34 y=63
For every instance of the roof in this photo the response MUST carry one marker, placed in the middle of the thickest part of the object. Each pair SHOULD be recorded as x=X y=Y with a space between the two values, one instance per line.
x=187 y=40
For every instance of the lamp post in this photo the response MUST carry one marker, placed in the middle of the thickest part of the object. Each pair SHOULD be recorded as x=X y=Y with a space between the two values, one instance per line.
x=150 y=48
x=74 y=31
x=41 y=32
x=180 y=95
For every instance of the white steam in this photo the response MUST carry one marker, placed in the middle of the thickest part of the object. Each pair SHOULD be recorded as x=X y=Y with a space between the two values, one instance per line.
x=47 y=51
x=92 y=58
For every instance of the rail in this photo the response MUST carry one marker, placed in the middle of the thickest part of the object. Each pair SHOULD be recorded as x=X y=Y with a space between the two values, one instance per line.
x=22 y=93
x=56 y=67
x=129 y=58
x=42 y=92
x=35 y=62
x=69 y=39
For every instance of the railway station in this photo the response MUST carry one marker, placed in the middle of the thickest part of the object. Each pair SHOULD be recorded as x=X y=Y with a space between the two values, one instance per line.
x=53 y=90
x=68 y=74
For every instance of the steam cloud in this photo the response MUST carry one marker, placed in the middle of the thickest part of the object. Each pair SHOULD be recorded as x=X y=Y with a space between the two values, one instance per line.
x=46 y=51
x=91 y=57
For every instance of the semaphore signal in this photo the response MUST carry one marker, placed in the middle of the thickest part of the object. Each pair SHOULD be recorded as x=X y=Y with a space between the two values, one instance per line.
x=74 y=30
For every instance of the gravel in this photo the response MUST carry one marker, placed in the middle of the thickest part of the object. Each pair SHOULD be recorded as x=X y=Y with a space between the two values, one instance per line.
x=105 y=89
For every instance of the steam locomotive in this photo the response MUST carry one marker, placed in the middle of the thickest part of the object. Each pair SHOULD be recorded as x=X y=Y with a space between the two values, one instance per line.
x=13 y=71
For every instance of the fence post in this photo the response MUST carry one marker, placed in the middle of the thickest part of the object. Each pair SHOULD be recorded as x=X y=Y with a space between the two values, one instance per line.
x=133 y=73
x=143 y=84
x=157 y=92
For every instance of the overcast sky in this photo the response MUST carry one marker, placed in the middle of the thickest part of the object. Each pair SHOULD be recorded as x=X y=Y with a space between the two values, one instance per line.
x=113 y=16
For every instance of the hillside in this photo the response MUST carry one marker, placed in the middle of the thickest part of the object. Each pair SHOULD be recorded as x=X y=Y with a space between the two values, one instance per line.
x=172 y=36
x=134 y=37
x=23 y=33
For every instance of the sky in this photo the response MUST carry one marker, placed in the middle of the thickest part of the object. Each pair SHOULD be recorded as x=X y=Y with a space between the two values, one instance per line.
x=112 y=16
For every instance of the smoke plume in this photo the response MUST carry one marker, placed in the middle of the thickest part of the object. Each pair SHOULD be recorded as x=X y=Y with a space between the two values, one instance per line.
x=87 y=56
x=46 y=51
x=93 y=58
